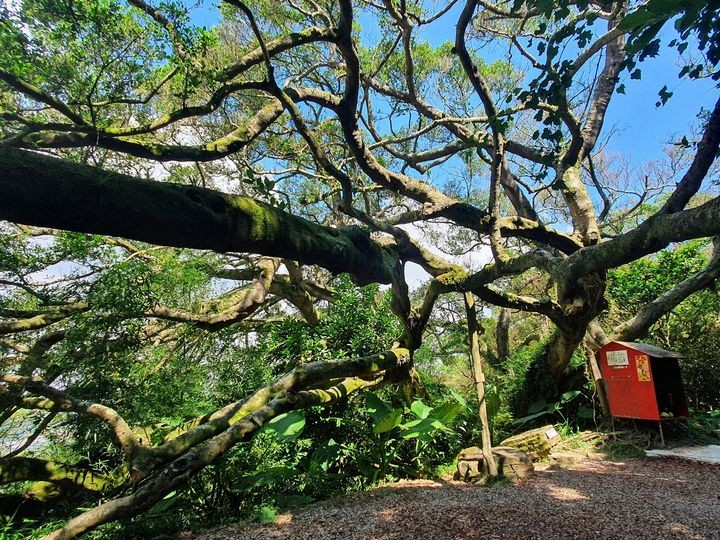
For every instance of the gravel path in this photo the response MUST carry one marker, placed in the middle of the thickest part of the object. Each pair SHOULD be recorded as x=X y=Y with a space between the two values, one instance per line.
x=644 y=499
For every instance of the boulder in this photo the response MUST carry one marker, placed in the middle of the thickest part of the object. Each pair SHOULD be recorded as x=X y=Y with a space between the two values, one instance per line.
x=536 y=443
x=470 y=465
x=513 y=464
x=564 y=460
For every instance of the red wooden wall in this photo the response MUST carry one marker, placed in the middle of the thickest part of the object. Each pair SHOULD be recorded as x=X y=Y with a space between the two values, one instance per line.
x=629 y=382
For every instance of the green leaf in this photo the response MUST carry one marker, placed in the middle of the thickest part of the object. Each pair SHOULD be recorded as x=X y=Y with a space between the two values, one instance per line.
x=266 y=514
x=377 y=407
x=164 y=504
x=286 y=427
x=326 y=454
x=637 y=18
x=569 y=396
x=418 y=428
x=461 y=400
x=388 y=422
x=540 y=405
x=529 y=417
x=420 y=409
x=664 y=96
x=447 y=412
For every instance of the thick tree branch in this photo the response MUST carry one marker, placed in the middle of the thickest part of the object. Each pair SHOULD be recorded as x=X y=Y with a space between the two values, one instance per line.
x=20 y=469
x=705 y=154
x=652 y=235
x=639 y=325
x=63 y=402
x=42 y=320
x=301 y=378
x=266 y=404
x=38 y=190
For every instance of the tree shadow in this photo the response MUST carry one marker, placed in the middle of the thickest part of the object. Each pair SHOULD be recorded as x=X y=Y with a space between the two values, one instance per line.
x=650 y=499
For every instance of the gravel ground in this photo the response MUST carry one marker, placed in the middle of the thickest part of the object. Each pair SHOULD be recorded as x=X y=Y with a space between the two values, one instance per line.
x=643 y=499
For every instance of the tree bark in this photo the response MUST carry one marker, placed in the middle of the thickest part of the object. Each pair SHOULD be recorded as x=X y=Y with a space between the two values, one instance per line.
x=17 y=469
x=479 y=377
x=49 y=192
x=502 y=334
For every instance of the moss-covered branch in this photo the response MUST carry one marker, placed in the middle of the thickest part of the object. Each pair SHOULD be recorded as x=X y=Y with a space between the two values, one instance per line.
x=58 y=400
x=19 y=469
x=41 y=320
x=299 y=379
x=179 y=471
x=651 y=312
x=651 y=236
x=44 y=191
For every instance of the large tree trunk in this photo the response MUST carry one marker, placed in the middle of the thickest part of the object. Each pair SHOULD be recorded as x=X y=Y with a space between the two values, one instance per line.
x=49 y=192
x=548 y=375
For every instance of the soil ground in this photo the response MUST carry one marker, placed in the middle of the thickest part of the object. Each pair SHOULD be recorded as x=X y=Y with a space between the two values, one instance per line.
x=643 y=499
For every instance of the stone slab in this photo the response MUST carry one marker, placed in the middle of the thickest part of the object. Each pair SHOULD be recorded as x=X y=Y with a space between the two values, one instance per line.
x=704 y=454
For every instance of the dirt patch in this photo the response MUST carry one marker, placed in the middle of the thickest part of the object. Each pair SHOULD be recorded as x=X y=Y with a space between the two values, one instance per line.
x=645 y=499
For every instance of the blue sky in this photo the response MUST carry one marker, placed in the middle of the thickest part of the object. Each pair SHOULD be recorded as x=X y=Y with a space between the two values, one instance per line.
x=641 y=127
x=645 y=127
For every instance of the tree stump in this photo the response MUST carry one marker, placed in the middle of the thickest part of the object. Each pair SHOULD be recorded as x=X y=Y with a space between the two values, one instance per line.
x=470 y=465
x=536 y=442
x=513 y=464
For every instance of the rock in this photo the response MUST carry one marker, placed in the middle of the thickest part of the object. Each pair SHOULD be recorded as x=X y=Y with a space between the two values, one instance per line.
x=537 y=443
x=469 y=470
x=470 y=465
x=513 y=464
x=472 y=453
x=564 y=460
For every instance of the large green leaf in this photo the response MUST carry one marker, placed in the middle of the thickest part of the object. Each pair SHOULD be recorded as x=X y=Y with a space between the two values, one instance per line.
x=376 y=406
x=420 y=409
x=388 y=421
x=326 y=454
x=447 y=412
x=538 y=406
x=637 y=18
x=529 y=417
x=164 y=504
x=286 y=427
x=461 y=400
x=569 y=396
x=420 y=427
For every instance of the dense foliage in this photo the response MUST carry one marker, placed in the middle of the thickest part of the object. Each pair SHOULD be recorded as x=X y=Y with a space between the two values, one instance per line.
x=691 y=328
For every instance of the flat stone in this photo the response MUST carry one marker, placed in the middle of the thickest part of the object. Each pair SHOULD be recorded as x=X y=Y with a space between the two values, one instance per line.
x=514 y=464
x=537 y=443
x=704 y=454
x=564 y=460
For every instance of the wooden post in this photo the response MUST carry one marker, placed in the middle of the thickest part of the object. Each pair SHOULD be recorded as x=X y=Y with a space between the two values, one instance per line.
x=599 y=381
x=476 y=362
